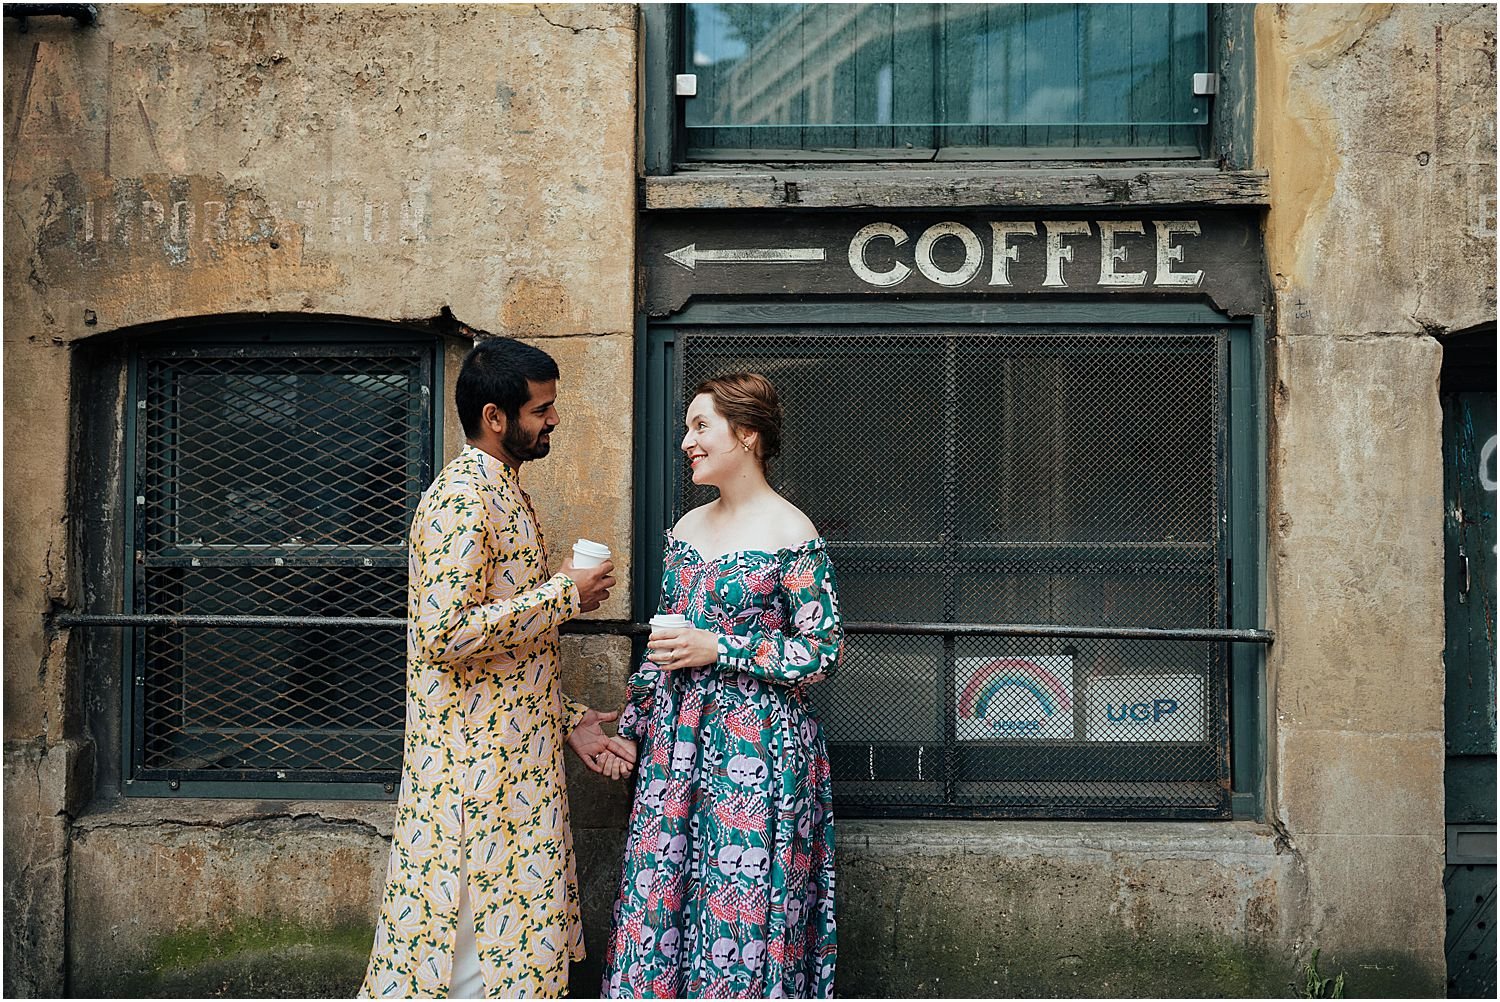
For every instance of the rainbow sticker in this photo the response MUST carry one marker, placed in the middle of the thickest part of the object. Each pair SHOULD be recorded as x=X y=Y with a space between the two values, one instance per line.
x=1014 y=698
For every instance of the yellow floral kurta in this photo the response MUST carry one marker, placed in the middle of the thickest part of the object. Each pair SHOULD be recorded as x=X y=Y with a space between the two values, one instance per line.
x=483 y=763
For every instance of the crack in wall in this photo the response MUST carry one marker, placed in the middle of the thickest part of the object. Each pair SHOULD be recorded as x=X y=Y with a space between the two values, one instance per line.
x=588 y=27
x=297 y=821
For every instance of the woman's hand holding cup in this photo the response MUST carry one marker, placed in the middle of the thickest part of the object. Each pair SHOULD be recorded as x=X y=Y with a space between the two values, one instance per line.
x=675 y=644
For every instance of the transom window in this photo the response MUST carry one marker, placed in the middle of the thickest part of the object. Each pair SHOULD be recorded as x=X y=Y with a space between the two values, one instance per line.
x=945 y=81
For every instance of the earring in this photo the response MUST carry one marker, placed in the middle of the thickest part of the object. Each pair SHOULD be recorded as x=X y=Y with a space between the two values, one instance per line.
x=745 y=446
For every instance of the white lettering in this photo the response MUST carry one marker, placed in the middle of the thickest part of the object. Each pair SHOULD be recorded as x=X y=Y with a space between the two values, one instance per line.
x=152 y=210
x=182 y=222
x=1486 y=456
x=1056 y=252
x=1166 y=253
x=215 y=222
x=1109 y=253
x=973 y=254
x=897 y=274
x=1001 y=254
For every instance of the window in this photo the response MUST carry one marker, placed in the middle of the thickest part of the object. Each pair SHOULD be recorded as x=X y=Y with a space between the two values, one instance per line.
x=273 y=480
x=944 y=81
x=1080 y=476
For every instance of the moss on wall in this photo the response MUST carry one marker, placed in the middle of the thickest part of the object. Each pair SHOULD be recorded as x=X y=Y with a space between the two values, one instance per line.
x=248 y=960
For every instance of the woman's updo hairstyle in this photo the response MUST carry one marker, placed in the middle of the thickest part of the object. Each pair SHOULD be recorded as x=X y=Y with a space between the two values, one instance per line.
x=748 y=401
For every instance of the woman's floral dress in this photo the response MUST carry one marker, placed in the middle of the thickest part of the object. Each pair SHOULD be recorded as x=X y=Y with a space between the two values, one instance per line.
x=727 y=888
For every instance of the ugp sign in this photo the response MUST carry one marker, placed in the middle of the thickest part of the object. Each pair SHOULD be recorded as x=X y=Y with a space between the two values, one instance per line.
x=1144 y=708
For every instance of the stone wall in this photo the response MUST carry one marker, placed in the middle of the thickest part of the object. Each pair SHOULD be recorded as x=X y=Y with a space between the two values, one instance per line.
x=1377 y=125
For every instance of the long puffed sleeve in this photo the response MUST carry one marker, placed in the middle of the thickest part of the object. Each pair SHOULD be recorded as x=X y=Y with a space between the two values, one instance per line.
x=452 y=550
x=640 y=689
x=808 y=647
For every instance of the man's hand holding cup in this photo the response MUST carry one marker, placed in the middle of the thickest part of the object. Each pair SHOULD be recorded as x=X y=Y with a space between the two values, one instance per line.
x=592 y=571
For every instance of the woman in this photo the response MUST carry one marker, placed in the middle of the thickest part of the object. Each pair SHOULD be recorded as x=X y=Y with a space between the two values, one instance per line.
x=727 y=888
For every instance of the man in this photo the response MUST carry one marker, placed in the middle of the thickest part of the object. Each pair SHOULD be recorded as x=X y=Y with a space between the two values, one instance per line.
x=481 y=899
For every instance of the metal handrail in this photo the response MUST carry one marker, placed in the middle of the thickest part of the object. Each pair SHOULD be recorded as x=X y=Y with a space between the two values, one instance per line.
x=621 y=627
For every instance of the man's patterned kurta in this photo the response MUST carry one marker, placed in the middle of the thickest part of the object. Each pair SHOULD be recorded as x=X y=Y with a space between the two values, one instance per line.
x=483 y=769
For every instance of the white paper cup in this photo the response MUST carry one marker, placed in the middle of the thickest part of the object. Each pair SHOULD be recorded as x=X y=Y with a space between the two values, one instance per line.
x=669 y=621
x=587 y=553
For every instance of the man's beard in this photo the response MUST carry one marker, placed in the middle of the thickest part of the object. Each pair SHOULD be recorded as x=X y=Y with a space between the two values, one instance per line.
x=522 y=449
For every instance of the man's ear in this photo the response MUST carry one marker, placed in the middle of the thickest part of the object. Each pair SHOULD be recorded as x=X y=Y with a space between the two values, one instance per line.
x=493 y=418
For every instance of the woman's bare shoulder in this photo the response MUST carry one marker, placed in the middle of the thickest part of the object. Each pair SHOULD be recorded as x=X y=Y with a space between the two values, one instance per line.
x=692 y=520
x=793 y=528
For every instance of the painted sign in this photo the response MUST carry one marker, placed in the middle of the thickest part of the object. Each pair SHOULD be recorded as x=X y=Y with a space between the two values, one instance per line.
x=1212 y=254
x=1006 y=698
x=1144 y=708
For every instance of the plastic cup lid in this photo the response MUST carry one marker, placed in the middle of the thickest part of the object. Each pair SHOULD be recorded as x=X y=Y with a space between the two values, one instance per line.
x=592 y=548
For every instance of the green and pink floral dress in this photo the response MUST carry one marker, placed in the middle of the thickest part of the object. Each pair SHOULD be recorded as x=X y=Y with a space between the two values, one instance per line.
x=727 y=889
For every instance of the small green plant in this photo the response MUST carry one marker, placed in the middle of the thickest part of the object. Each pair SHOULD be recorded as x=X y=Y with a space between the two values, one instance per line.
x=1316 y=986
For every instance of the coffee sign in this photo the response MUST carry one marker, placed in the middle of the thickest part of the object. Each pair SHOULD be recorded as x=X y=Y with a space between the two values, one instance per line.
x=1211 y=254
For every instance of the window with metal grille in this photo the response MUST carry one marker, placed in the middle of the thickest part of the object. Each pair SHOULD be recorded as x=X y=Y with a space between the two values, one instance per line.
x=1050 y=504
x=276 y=481
x=918 y=81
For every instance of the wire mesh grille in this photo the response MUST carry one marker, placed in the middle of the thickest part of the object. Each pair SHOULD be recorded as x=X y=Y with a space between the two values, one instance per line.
x=275 y=481
x=1026 y=478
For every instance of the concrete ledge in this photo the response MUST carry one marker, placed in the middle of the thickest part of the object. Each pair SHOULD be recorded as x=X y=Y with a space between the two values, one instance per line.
x=1076 y=909
x=904 y=188
x=1088 y=839
x=375 y=817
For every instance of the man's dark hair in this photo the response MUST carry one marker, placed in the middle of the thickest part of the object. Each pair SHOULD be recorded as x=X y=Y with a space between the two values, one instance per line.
x=496 y=371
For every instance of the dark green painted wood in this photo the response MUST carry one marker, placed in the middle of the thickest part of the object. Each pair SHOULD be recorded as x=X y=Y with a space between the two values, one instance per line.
x=1469 y=662
x=1469 y=592
x=1232 y=35
x=1469 y=789
x=895 y=311
x=1247 y=463
x=662 y=28
x=1470 y=942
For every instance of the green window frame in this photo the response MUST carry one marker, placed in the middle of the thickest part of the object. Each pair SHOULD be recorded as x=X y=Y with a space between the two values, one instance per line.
x=1237 y=675
x=271 y=471
x=955 y=82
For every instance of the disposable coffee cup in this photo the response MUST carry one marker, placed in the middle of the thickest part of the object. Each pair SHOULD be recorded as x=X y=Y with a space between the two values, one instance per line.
x=587 y=553
x=669 y=621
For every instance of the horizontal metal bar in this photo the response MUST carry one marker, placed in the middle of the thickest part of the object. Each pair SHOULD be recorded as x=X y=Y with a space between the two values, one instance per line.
x=1048 y=630
x=620 y=627
x=68 y=619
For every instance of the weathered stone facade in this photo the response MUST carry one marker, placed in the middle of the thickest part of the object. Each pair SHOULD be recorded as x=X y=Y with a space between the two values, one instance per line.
x=477 y=166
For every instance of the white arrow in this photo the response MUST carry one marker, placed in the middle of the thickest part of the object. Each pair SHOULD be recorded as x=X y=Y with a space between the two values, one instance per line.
x=690 y=255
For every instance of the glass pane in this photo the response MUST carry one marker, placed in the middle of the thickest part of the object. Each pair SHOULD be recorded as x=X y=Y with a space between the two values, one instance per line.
x=999 y=74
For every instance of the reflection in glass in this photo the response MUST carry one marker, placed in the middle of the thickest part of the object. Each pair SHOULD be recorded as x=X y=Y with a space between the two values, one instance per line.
x=1006 y=69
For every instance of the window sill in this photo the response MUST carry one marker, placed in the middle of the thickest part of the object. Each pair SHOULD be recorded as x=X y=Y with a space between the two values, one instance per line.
x=955 y=186
x=378 y=816
x=1213 y=839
